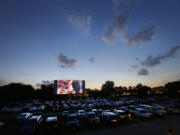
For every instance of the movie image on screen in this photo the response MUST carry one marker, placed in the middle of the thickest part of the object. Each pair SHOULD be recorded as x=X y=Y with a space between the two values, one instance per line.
x=69 y=86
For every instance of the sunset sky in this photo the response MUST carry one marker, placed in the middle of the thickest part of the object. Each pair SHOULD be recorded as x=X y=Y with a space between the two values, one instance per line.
x=126 y=41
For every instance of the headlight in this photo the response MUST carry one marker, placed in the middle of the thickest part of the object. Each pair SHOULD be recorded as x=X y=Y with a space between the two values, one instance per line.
x=114 y=120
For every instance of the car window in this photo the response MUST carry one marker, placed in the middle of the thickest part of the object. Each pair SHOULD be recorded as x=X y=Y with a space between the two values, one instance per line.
x=91 y=116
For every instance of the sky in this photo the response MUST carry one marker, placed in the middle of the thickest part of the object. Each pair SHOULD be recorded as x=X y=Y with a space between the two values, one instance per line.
x=125 y=41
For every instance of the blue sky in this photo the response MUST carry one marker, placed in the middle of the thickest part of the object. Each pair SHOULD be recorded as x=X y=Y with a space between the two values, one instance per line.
x=90 y=40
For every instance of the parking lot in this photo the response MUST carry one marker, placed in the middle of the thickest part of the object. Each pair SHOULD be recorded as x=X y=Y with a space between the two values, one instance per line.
x=85 y=116
x=154 y=127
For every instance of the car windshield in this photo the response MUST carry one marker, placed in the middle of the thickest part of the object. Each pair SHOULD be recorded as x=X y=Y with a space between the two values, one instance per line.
x=142 y=111
x=81 y=112
x=72 y=118
x=22 y=115
x=91 y=116
x=112 y=117
x=31 y=122
x=52 y=123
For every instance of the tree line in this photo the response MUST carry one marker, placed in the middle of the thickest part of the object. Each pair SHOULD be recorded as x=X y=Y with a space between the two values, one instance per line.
x=108 y=89
x=22 y=91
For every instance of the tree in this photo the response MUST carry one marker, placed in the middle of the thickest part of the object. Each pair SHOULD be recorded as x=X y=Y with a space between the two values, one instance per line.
x=119 y=91
x=16 y=91
x=142 y=91
x=108 y=88
x=172 y=88
x=131 y=91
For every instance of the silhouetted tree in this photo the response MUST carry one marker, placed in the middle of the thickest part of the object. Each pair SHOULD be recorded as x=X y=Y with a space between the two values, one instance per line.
x=172 y=88
x=108 y=88
x=142 y=91
x=16 y=91
x=47 y=90
x=118 y=91
x=132 y=91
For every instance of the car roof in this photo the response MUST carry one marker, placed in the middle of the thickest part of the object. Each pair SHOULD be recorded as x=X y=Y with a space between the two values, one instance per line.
x=27 y=113
x=119 y=110
x=90 y=113
x=51 y=119
x=72 y=115
x=81 y=111
x=140 y=109
x=35 y=117
x=109 y=113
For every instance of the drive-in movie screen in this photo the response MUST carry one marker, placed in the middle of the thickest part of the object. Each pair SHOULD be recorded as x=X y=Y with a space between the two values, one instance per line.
x=69 y=87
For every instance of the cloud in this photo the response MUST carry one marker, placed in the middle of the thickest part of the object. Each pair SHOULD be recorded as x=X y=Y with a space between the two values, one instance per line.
x=38 y=85
x=92 y=60
x=118 y=24
x=81 y=19
x=134 y=66
x=152 y=61
x=145 y=35
x=143 y=71
x=121 y=5
x=44 y=82
x=2 y=82
x=137 y=58
x=66 y=62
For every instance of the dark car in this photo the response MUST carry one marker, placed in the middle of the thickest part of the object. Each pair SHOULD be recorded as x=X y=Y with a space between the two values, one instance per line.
x=121 y=114
x=51 y=122
x=81 y=114
x=23 y=117
x=72 y=121
x=141 y=113
x=32 y=125
x=92 y=118
x=109 y=117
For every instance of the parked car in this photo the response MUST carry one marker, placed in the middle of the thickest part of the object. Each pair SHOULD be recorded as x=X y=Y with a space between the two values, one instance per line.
x=121 y=114
x=24 y=117
x=72 y=121
x=158 y=111
x=81 y=114
x=109 y=117
x=92 y=118
x=1 y=124
x=51 y=123
x=32 y=125
x=141 y=113
x=64 y=115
